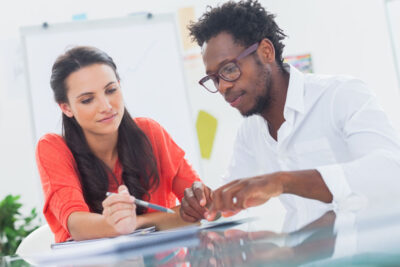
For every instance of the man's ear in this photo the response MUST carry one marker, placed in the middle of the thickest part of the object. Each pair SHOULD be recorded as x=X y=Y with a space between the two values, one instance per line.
x=266 y=51
x=66 y=109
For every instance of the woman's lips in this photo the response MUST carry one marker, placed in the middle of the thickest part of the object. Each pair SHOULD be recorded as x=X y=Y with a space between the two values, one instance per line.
x=109 y=118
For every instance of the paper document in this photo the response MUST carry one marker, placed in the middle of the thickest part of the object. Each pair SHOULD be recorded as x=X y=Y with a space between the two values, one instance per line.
x=66 y=244
x=141 y=242
x=107 y=246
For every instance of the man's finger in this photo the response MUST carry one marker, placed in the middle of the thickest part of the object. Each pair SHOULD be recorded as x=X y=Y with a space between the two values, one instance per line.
x=215 y=205
x=209 y=196
x=186 y=217
x=211 y=215
x=185 y=206
x=198 y=189
x=192 y=201
x=226 y=214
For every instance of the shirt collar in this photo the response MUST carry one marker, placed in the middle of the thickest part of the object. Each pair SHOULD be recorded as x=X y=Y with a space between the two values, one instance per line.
x=295 y=92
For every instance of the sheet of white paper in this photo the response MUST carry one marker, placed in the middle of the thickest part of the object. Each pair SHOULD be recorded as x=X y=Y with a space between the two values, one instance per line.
x=102 y=247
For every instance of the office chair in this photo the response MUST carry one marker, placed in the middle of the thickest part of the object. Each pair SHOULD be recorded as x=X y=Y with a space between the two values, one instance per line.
x=36 y=242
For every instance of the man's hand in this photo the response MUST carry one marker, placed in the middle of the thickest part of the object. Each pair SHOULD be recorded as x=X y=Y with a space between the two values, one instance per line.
x=195 y=202
x=244 y=193
x=200 y=202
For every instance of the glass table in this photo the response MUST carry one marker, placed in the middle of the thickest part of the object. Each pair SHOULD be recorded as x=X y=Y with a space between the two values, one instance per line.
x=342 y=238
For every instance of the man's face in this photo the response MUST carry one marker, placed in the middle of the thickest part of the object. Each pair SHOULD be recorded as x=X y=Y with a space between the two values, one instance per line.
x=250 y=93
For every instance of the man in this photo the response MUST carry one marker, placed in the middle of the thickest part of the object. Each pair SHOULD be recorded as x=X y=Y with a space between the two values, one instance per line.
x=311 y=140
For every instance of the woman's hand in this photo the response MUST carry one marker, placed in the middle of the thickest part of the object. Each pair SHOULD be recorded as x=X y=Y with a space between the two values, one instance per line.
x=119 y=211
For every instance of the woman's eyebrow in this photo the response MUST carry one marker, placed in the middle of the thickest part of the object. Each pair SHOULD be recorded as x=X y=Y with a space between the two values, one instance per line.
x=108 y=84
x=85 y=93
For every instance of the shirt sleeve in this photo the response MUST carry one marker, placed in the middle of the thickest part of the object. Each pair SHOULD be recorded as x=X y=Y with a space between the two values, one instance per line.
x=60 y=182
x=372 y=142
x=184 y=178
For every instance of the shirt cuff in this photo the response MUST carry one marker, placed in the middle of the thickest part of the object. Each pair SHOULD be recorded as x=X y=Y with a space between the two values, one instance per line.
x=335 y=180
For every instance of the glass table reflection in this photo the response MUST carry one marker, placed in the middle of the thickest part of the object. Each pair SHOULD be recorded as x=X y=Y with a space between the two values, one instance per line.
x=342 y=238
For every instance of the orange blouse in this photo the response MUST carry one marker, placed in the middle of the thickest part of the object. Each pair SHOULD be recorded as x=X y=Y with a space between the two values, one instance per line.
x=61 y=186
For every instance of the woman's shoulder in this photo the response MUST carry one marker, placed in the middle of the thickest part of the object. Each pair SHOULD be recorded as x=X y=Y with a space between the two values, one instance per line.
x=51 y=138
x=148 y=125
x=50 y=143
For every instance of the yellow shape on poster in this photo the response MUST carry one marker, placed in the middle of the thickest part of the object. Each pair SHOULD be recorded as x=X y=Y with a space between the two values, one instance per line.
x=206 y=126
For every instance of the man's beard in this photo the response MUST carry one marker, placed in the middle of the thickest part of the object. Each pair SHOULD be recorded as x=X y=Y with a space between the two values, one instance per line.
x=262 y=101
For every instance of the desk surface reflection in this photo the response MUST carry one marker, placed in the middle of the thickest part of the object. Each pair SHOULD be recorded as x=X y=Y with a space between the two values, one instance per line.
x=332 y=239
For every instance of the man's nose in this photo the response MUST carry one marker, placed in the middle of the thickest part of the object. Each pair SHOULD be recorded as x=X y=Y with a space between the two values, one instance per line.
x=223 y=86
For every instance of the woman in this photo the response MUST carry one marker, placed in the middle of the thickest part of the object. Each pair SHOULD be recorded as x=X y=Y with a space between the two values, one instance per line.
x=103 y=149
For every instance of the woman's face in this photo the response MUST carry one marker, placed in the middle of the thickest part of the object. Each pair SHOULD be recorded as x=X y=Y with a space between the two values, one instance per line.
x=94 y=99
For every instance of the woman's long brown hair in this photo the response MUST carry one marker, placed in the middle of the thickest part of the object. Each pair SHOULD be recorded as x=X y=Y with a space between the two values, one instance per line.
x=135 y=153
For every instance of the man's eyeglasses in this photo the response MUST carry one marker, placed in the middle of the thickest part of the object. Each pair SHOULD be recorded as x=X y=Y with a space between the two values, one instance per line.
x=229 y=72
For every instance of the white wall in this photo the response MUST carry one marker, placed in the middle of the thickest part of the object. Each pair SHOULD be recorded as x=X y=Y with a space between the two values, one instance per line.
x=343 y=36
x=346 y=37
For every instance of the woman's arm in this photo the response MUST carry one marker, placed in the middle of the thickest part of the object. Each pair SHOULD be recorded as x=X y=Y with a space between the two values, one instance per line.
x=161 y=220
x=119 y=217
x=87 y=225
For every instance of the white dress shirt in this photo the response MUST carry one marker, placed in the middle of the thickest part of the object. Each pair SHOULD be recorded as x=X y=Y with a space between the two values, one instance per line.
x=332 y=124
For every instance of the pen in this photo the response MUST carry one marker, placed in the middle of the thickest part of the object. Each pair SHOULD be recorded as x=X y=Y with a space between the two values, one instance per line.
x=148 y=205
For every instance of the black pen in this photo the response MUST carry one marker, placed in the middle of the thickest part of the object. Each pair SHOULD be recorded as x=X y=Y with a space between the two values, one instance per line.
x=148 y=205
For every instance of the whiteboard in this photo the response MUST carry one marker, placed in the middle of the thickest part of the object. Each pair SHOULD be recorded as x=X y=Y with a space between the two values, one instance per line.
x=147 y=54
x=393 y=17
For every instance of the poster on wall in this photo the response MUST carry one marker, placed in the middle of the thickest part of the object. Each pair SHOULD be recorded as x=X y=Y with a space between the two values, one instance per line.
x=302 y=62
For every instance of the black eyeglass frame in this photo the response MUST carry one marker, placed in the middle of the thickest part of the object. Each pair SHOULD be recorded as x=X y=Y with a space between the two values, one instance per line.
x=214 y=76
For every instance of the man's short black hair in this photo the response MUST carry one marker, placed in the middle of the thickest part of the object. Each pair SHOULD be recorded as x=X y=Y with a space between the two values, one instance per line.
x=247 y=21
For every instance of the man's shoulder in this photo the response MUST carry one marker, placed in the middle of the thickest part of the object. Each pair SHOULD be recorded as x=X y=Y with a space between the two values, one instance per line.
x=328 y=82
x=319 y=87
